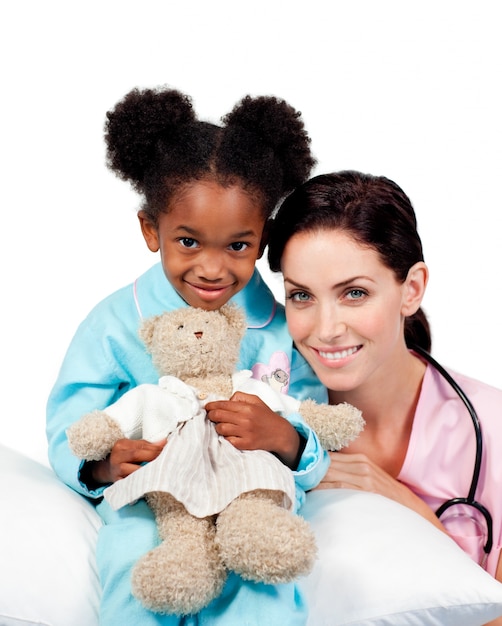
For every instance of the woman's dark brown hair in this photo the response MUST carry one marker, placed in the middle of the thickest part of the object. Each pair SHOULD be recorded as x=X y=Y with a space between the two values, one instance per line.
x=373 y=209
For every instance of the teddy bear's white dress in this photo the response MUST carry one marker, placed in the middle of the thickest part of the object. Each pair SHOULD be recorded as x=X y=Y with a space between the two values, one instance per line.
x=197 y=466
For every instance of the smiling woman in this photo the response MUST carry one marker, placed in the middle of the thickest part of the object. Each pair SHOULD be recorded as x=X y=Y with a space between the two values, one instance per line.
x=346 y=320
x=354 y=276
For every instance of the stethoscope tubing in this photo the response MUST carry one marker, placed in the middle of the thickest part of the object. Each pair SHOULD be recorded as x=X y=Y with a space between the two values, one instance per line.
x=471 y=497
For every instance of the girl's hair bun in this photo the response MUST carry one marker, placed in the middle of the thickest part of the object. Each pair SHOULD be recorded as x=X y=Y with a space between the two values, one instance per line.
x=156 y=142
x=278 y=125
x=137 y=123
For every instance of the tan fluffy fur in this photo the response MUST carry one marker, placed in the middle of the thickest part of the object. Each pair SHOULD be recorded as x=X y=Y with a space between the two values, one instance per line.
x=254 y=536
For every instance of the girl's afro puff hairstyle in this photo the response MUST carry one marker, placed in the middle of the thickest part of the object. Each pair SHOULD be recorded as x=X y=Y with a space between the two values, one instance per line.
x=155 y=142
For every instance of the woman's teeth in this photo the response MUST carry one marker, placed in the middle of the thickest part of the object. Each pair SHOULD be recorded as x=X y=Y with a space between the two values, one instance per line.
x=337 y=355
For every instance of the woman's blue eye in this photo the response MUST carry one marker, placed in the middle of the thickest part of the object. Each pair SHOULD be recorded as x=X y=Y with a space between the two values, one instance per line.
x=356 y=294
x=238 y=246
x=299 y=296
x=188 y=242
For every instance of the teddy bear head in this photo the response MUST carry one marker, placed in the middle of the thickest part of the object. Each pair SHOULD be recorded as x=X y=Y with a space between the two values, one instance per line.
x=191 y=342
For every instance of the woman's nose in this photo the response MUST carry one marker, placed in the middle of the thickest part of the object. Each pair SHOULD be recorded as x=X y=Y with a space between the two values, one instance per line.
x=330 y=325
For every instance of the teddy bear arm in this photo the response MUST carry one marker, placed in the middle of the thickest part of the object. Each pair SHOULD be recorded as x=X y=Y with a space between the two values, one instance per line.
x=335 y=425
x=93 y=436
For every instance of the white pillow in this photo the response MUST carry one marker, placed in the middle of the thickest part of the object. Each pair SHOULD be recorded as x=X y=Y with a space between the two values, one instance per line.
x=47 y=548
x=381 y=564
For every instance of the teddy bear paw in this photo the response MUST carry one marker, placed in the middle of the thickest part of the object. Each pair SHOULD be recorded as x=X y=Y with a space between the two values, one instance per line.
x=173 y=580
x=265 y=543
x=93 y=436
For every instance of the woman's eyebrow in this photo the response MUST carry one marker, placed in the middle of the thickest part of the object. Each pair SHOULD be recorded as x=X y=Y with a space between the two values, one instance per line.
x=293 y=283
x=344 y=283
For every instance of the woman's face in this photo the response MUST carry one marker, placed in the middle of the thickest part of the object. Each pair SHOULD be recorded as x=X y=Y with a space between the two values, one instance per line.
x=345 y=308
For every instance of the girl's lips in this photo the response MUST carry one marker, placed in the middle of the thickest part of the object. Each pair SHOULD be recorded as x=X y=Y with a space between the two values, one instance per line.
x=209 y=294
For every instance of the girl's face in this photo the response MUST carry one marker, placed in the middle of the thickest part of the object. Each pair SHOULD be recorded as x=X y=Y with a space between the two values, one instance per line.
x=209 y=240
x=345 y=308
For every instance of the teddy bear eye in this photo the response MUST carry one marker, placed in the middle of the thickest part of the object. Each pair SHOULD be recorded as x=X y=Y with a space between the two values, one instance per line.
x=180 y=327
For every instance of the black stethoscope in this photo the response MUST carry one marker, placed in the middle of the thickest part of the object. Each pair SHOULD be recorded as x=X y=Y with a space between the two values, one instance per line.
x=470 y=500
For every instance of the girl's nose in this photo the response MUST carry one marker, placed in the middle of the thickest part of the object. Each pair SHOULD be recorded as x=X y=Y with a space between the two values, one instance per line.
x=211 y=266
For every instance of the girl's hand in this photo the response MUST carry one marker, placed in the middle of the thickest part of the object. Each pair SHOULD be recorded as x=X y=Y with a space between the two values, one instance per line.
x=126 y=457
x=357 y=471
x=249 y=424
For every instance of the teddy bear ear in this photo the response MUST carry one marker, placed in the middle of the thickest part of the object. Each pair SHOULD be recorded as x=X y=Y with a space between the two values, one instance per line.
x=235 y=317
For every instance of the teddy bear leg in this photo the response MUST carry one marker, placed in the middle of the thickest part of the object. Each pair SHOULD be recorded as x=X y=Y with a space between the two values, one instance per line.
x=262 y=541
x=185 y=572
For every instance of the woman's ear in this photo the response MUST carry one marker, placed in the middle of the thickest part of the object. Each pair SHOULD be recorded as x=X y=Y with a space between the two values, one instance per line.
x=150 y=232
x=414 y=288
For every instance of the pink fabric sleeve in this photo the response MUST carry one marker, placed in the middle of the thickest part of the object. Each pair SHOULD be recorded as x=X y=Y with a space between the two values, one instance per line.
x=441 y=454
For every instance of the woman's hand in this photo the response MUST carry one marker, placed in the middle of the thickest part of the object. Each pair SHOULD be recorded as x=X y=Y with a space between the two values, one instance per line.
x=126 y=457
x=249 y=424
x=357 y=471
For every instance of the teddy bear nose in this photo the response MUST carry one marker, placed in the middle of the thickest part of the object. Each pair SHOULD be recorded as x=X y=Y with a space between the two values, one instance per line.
x=198 y=334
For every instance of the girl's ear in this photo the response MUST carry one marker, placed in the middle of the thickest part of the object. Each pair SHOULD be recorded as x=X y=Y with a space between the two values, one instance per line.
x=414 y=288
x=150 y=232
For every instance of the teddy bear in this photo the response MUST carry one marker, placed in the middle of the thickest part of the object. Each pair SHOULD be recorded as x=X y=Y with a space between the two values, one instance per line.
x=217 y=508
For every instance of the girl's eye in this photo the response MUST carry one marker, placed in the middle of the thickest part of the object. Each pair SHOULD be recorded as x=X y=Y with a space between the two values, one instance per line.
x=356 y=294
x=238 y=246
x=188 y=242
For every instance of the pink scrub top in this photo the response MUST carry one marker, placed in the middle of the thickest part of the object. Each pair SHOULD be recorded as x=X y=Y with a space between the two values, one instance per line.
x=441 y=453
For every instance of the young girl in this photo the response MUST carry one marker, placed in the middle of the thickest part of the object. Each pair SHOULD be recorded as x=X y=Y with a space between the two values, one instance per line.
x=354 y=277
x=207 y=193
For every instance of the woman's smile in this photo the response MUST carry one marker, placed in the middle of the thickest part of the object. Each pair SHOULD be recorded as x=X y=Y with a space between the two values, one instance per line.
x=338 y=354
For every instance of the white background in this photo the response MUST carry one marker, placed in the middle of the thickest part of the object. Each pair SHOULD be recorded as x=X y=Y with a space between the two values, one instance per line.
x=410 y=90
